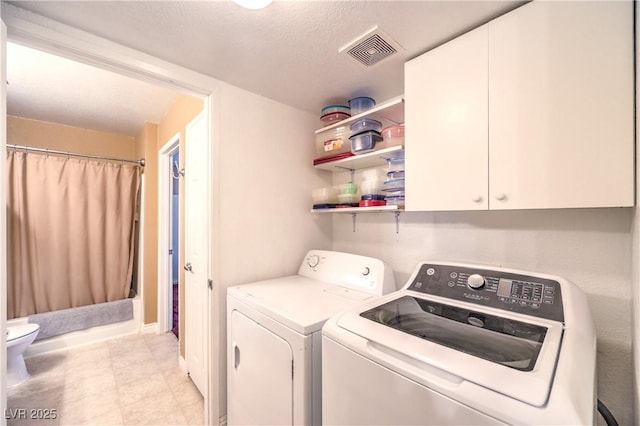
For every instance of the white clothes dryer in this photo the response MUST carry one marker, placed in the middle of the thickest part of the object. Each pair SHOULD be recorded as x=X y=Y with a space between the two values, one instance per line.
x=463 y=344
x=274 y=335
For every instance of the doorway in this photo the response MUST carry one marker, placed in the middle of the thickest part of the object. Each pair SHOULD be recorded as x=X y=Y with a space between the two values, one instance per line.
x=169 y=174
x=174 y=251
x=110 y=56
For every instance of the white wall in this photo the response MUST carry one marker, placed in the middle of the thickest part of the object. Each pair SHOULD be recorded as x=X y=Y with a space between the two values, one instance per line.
x=266 y=177
x=591 y=247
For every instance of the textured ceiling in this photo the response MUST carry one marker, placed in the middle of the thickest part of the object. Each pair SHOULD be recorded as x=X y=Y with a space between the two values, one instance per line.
x=288 y=51
x=50 y=88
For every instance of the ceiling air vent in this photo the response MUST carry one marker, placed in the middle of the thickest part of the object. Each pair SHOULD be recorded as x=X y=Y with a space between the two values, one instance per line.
x=372 y=48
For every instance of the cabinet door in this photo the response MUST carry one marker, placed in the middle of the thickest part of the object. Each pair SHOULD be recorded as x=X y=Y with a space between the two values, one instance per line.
x=446 y=126
x=259 y=375
x=561 y=106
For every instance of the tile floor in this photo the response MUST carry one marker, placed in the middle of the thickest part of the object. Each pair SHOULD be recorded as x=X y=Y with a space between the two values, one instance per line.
x=134 y=380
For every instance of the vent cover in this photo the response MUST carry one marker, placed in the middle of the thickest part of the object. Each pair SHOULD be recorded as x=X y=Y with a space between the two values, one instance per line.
x=371 y=48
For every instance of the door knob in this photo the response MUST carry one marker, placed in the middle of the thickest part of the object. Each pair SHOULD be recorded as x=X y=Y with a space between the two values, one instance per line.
x=187 y=267
x=501 y=196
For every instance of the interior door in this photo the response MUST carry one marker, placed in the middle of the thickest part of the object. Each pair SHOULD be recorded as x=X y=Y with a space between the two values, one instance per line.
x=259 y=377
x=196 y=253
x=3 y=216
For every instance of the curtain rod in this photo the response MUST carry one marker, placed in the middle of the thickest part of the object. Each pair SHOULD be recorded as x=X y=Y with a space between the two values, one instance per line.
x=53 y=151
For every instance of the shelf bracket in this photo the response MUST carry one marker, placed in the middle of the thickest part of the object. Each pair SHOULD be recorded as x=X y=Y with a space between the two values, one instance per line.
x=397 y=223
x=353 y=221
x=353 y=171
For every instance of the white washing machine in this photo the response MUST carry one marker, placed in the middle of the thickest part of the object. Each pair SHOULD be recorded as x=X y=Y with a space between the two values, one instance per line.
x=463 y=344
x=274 y=335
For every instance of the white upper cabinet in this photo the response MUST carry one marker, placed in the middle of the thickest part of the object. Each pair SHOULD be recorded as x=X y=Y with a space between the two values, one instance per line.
x=556 y=127
x=446 y=138
x=561 y=106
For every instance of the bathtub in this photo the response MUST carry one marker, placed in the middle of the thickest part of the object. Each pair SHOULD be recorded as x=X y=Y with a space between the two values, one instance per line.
x=87 y=336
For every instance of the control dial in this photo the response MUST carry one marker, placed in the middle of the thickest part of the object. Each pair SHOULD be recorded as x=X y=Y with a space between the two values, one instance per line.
x=475 y=281
x=313 y=260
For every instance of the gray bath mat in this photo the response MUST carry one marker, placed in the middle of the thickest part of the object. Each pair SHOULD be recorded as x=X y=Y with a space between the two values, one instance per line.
x=67 y=320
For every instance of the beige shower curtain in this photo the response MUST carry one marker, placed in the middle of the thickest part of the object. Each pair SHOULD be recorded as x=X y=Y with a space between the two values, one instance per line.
x=70 y=226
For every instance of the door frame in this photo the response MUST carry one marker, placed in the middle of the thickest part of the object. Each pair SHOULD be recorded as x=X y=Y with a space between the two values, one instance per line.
x=165 y=217
x=54 y=37
x=3 y=221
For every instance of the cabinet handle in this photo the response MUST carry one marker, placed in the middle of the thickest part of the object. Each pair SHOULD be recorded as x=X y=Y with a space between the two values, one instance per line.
x=477 y=199
x=236 y=356
x=501 y=196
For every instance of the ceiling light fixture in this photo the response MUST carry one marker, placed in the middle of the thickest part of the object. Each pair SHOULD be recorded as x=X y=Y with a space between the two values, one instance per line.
x=253 y=4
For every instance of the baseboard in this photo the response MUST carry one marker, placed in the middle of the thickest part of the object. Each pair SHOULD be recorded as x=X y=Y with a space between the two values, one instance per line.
x=182 y=363
x=152 y=328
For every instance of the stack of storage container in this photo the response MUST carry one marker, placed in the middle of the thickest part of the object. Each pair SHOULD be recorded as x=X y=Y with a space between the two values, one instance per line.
x=365 y=135
x=371 y=188
x=393 y=187
x=348 y=196
x=334 y=113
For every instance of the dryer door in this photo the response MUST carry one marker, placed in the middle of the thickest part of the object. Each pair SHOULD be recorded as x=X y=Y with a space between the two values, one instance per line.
x=260 y=381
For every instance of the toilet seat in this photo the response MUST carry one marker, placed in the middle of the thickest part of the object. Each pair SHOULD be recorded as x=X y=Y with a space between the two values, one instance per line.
x=19 y=331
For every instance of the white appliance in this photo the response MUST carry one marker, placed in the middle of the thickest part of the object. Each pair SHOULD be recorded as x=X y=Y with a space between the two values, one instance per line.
x=463 y=344
x=274 y=335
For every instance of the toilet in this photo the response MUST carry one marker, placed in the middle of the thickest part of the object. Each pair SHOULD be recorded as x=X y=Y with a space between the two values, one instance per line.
x=19 y=337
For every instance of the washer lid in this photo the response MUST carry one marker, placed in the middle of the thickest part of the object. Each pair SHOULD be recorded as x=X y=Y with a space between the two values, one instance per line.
x=514 y=344
x=300 y=303
x=507 y=353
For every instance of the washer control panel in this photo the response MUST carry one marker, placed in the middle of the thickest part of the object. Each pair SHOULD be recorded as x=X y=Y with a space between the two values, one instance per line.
x=529 y=295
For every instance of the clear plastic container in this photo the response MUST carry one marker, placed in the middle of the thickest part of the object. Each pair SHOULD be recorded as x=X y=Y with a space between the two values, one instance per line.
x=393 y=135
x=365 y=124
x=397 y=155
x=348 y=188
x=375 y=173
x=372 y=197
x=395 y=164
x=332 y=142
x=348 y=198
x=371 y=186
x=361 y=104
x=364 y=142
x=372 y=203
x=330 y=109
x=396 y=175
x=334 y=117
x=395 y=200
x=327 y=195
x=393 y=185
